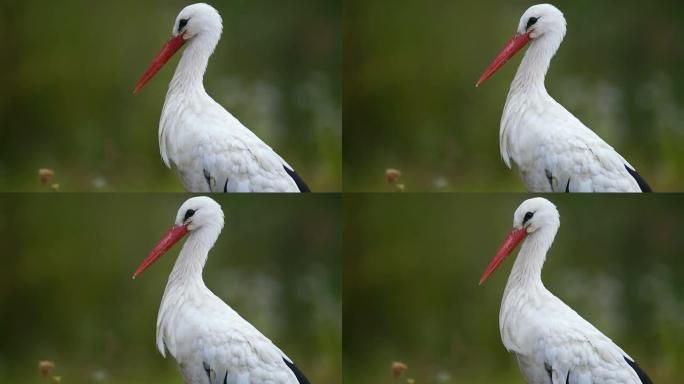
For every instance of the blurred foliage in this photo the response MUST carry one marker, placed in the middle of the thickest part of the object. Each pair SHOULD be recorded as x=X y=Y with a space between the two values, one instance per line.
x=410 y=100
x=412 y=265
x=66 y=293
x=69 y=69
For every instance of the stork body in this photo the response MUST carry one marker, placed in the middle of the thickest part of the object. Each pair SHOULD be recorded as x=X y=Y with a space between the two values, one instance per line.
x=211 y=343
x=552 y=343
x=552 y=149
x=211 y=150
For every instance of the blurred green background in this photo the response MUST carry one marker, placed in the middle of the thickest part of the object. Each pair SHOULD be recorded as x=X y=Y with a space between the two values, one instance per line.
x=66 y=292
x=410 y=100
x=412 y=264
x=69 y=69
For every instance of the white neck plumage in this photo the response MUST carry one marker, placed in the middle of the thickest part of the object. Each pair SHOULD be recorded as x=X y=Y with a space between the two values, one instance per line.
x=524 y=286
x=534 y=66
x=192 y=258
x=189 y=75
x=185 y=281
x=527 y=88
x=526 y=272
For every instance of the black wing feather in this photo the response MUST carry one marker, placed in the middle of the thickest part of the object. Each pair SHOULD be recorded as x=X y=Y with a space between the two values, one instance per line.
x=298 y=374
x=642 y=375
x=297 y=179
x=640 y=180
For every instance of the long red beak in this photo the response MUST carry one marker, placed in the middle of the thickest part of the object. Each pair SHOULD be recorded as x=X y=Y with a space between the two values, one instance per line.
x=510 y=49
x=172 y=236
x=167 y=51
x=512 y=241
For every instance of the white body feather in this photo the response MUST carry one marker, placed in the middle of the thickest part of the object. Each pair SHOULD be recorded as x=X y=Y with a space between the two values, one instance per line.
x=210 y=341
x=552 y=149
x=552 y=343
x=211 y=150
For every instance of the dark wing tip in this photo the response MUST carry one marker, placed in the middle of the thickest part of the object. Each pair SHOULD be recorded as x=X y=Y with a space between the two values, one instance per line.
x=643 y=185
x=640 y=372
x=298 y=374
x=297 y=179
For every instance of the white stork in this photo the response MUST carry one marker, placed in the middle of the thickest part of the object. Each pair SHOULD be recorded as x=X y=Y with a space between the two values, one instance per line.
x=552 y=149
x=553 y=344
x=211 y=150
x=210 y=341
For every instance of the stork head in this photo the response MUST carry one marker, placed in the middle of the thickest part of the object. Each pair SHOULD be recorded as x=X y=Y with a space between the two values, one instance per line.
x=195 y=22
x=197 y=215
x=534 y=214
x=197 y=19
x=534 y=217
x=542 y=22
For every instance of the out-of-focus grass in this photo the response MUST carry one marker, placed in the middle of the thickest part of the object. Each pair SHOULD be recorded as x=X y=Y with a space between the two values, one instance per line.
x=66 y=293
x=410 y=100
x=412 y=263
x=70 y=68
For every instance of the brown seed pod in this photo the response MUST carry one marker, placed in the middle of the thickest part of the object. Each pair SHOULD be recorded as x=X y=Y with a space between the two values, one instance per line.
x=45 y=367
x=392 y=175
x=45 y=175
x=398 y=368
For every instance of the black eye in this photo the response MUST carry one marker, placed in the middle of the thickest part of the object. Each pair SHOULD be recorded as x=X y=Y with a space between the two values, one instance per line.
x=182 y=24
x=527 y=217
x=188 y=214
x=531 y=22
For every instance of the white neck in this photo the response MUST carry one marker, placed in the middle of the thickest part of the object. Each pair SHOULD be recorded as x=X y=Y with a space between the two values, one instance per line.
x=535 y=64
x=186 y=88
x=185 y=282
x=189 y=75
x=528 y=265
x=527 y=88
x=192 y=258
x=524 y=288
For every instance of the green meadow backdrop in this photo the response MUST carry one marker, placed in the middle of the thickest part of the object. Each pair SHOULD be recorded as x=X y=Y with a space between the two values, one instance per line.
x=412 y=265
x=66 y=293
x=69 y=69
x=410 y=100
